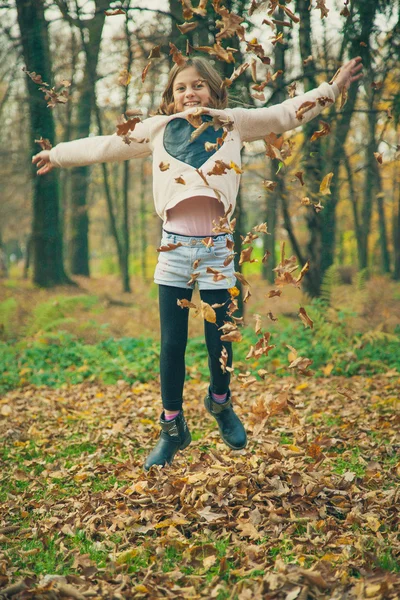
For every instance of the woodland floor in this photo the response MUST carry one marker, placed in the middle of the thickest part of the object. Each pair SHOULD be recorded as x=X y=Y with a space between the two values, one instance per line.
x=309 y=510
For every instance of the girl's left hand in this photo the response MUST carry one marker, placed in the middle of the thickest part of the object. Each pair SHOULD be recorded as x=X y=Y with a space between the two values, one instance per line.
x=348 y=73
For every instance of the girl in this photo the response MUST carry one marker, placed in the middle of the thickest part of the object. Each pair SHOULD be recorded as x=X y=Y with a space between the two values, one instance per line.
x=193 y=188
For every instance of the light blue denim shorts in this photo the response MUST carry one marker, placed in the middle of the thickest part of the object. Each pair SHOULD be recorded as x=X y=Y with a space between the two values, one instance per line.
x=175 y=267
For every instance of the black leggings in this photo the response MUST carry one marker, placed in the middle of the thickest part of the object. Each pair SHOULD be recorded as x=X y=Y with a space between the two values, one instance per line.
x=174 y=334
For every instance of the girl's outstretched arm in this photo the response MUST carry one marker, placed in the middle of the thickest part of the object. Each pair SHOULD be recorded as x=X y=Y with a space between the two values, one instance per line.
x=256 y=123
x=96 y=149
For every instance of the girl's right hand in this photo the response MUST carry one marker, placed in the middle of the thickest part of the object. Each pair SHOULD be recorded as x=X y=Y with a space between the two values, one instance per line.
x=42 y=160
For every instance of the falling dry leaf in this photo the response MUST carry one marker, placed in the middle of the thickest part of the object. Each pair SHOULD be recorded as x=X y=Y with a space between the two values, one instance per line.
x=177 y=55
x=304 y=108
x=124 y=77
x=325 y=130
x=186 y=27
x=305 y=318
x=208 y=313
x=168 y=247
x=325 y=183
x=112 y=13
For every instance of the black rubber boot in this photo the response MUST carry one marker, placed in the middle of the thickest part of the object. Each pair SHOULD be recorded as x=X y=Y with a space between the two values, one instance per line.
x=175 y=435
x=230 y=426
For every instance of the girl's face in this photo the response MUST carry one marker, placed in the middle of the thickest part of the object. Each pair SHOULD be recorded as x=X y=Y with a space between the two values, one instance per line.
x=189 y=89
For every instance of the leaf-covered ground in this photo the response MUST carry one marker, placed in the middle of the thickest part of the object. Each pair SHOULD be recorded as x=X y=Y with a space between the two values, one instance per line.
x=308 y=510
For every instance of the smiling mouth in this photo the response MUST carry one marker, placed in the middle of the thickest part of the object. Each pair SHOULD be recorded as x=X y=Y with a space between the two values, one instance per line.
x=191 y=103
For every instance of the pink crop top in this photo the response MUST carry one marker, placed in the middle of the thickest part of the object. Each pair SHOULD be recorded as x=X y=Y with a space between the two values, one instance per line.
x=194 y=216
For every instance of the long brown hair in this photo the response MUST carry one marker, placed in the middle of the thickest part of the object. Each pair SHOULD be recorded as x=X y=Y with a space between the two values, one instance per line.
x=219 y=96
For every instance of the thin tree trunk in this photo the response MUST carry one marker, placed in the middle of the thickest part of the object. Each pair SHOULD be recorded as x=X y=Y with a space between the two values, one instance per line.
x=126 y=178
x=47 y=244
x=271 y=201
x=396 y=232
x=313 y=164
x=142 y=213
x=280 y=190
x=385 y=256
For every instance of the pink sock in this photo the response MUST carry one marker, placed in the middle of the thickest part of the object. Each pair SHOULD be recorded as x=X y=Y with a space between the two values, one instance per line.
x=172 y=416
x=220 y=398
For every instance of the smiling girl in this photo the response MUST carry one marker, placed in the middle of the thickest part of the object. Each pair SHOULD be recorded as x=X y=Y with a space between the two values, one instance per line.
x=191 y=196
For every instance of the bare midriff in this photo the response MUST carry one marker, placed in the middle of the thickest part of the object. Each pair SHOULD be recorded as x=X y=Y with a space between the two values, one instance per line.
x=194 y=216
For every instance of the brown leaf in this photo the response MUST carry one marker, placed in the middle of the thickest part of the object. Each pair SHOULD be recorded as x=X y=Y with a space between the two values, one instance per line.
x=229 y=25
x=299 y=175
x=304 y=108
x=219 y=168
x=273 y=293
x=170 y=246
x=303 y=271
x=44 y=143
x=257 y=326
x=270 y=185
x=112 y=13
x=184 y=303
x=245 y=256
x=177 y=55
x=154 y=53
x=265 y=257
x=193 y=278
x=232 y=336
x=321 y=6
x=223 y=359
x=236 y=73
x=186 y=27
x=305 y=318
x=164 y=166
x=217 y=275
x=197 y=132
x=145 y=71
x=325 y=130
x=292 y=90
x=261 y=228
x=127 y=126
x=180 y=180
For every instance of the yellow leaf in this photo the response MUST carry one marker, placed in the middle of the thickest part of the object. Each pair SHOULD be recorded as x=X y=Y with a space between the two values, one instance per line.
x=294 y=448
x=302 y=386
x=81 y=477
x=327 y=370
x=329 y=557
x=142 y=588
x=126 y=556
x=373 y=523
x=325 y=183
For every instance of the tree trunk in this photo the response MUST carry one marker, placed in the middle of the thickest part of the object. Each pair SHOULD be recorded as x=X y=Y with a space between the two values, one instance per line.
x=126 y=178
x=385 y=256
x=313 y=163
x=79 y=241
x=47 y=246
x=396 y=233
x=280 y=190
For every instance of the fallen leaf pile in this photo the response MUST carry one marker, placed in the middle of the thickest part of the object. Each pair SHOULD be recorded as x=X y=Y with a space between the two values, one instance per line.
x=308 y=510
